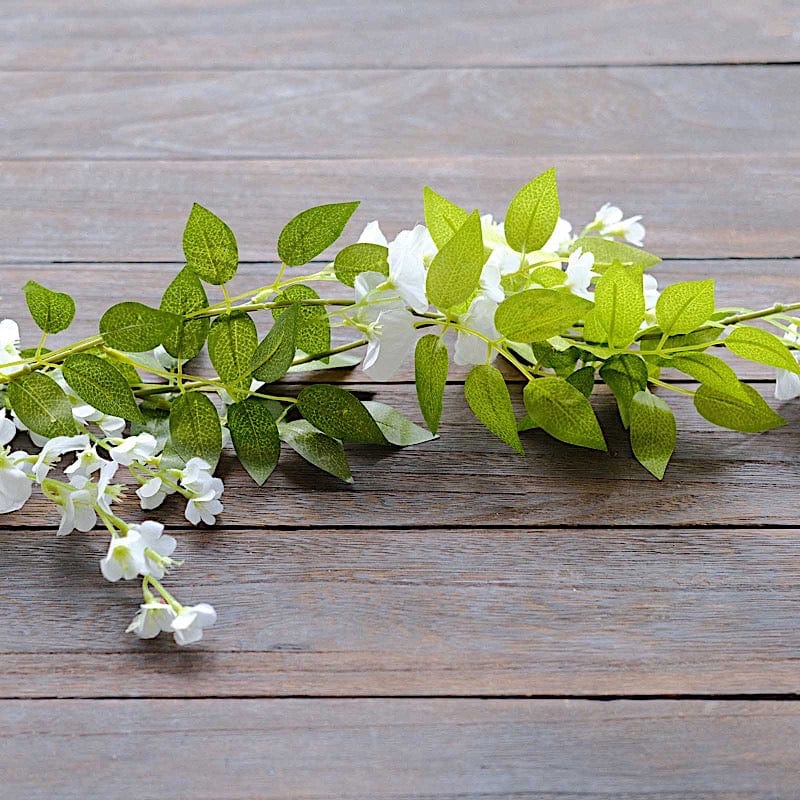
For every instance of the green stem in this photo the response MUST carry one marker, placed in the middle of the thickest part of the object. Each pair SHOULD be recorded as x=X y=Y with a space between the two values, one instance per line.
x=332 y=352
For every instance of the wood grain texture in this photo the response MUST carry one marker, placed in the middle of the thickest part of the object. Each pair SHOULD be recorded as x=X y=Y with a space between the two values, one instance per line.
x=444 y=749
x=695 y=206
x=388 y=113
x=415 y=611
x=468 y=477
x=193 y=34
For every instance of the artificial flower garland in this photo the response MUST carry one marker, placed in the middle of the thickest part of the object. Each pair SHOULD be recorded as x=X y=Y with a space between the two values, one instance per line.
x=561 y=309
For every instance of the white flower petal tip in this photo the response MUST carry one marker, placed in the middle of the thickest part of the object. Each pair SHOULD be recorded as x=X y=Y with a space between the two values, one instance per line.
x=188 y=625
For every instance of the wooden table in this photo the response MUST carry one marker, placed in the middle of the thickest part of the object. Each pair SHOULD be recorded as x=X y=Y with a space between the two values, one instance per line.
x=460 y=623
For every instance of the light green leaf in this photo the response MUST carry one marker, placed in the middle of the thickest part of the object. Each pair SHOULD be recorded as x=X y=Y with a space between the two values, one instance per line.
x=274 y=355
x=134 y=327
x=618 y=306
x=533 y=213
x=487 y=395
x=526 y=424
x=548 y=276
x=339 y=413
x=232 y=340
x=431 y=365
x=752 y=415
x=312 y=231
x=318 y=449
x=397 y=429
x=51 y=311
x=194 y=428
x=210 y=247
x=762 y=347
x=456 y=269
x=653 y=432
x=710 y=370
x=607 y=252
x=360 y=257
x=42 y=405
x=183 y=296
x=583 y=380
x=560 y=409
x=100 y=384
x=562 y=362
x=255 y=437
x=625 y=374
x=683 y=307
x=537 y=314
x=442 y=217
x=313 y=327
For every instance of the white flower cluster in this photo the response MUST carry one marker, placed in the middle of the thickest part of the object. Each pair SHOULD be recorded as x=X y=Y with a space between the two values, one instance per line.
x=384 y=304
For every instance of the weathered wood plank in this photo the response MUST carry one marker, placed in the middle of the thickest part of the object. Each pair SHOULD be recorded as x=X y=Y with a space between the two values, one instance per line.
x=716 y=477
x=387 y=612
x=380 y=113
x=695 y=206
x=445 y=749
x=758 y=284
x=140 y=35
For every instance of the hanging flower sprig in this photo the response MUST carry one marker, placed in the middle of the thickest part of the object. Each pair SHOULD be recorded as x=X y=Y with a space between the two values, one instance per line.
x=564 y=310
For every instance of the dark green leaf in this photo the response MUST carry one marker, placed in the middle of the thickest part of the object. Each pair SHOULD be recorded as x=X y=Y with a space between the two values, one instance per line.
x=255 y=437
x=42 y=405
x=101 y=385
x=183 y=296
x=487 y=395
x=232 y=340
x=431 y=365
x=51 y=311
x=533 y=213
x=583 y=380
x=339 y=413
x=653 y=432
x=210 y=247
x=134 y=327
x=194 y=428
x=313 y=327
x=274 y=355
x=318 y=449
x=312 y=231
x=360 y=257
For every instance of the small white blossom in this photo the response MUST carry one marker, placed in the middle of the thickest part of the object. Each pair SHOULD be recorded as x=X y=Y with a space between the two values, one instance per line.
x=153 y=493
x=135 y=448
x=125 y=557
x=163 y=545
x=579 y=273
x=15 y=485
x=787 y=384
x=187 y=627
x=152 y=618
x=651 y=292
x=8 y=430
x=52 y=451
x=608 y=222
x=86 y=462
x=77 y=506
x=83 y=413
x=9 y=347
x=480 y=317
x=204 y=504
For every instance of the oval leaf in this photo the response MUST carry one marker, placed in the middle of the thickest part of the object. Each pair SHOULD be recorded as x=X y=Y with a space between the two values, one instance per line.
x=209 y=246
x=762 y=347
x=194 y=428
x=431 y=363
x=318 y=449
x=183 y=296
x=683 y=307
x=538 y=314
x=340 y=414
x=313 y=327
x=442 y=218
x=101 y=385
x=607 y=252
x=711 y=371
x=232 y=340
x=653 y=432
x=134 y=327
x=618 y=306
x=560 y=409
x=51 y=311
x=42 y=405
x=397 y=429
x=533 y=213
x=274 y=355
x=312 y=231
x=361 y=257
x=487 y=395
x=750 y=415
x=625 y=374
x=255 y=437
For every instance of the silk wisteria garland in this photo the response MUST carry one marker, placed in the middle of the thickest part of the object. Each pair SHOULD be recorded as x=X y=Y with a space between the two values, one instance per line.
x=560 y=309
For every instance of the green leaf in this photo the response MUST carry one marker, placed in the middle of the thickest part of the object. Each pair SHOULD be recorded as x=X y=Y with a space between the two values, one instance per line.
x=255 y=437
x=538 y=314
x=101 y=385
x=455 y=271
x=360 y=257
x=683 y=307
x=583 y=380
x=312 y=231
x=336 y=361
x=618 y=306
x=625 y=374
x=653 y=432
x=711 y=371
x=442 y=217
x=339 y=413
x=134 y=327
x=487 y=395
x=42 y=405
x=397 y=429
x=607 y=252
x=533 y=213
x=526 y=424
x=762 y=347
x=751 y=415
x=562 y=362
x=210 y=247
x=560 y=409
x=313 y=327
x=51 y=311
x=318 y=449
x=431 y=365
x=548 y=276
x=183 y=296
x=154 y=421
x=232 y=341
x=194 y=428
x=274 y=355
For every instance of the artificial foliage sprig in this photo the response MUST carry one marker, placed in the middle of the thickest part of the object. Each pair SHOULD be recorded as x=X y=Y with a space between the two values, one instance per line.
x=565 y=311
